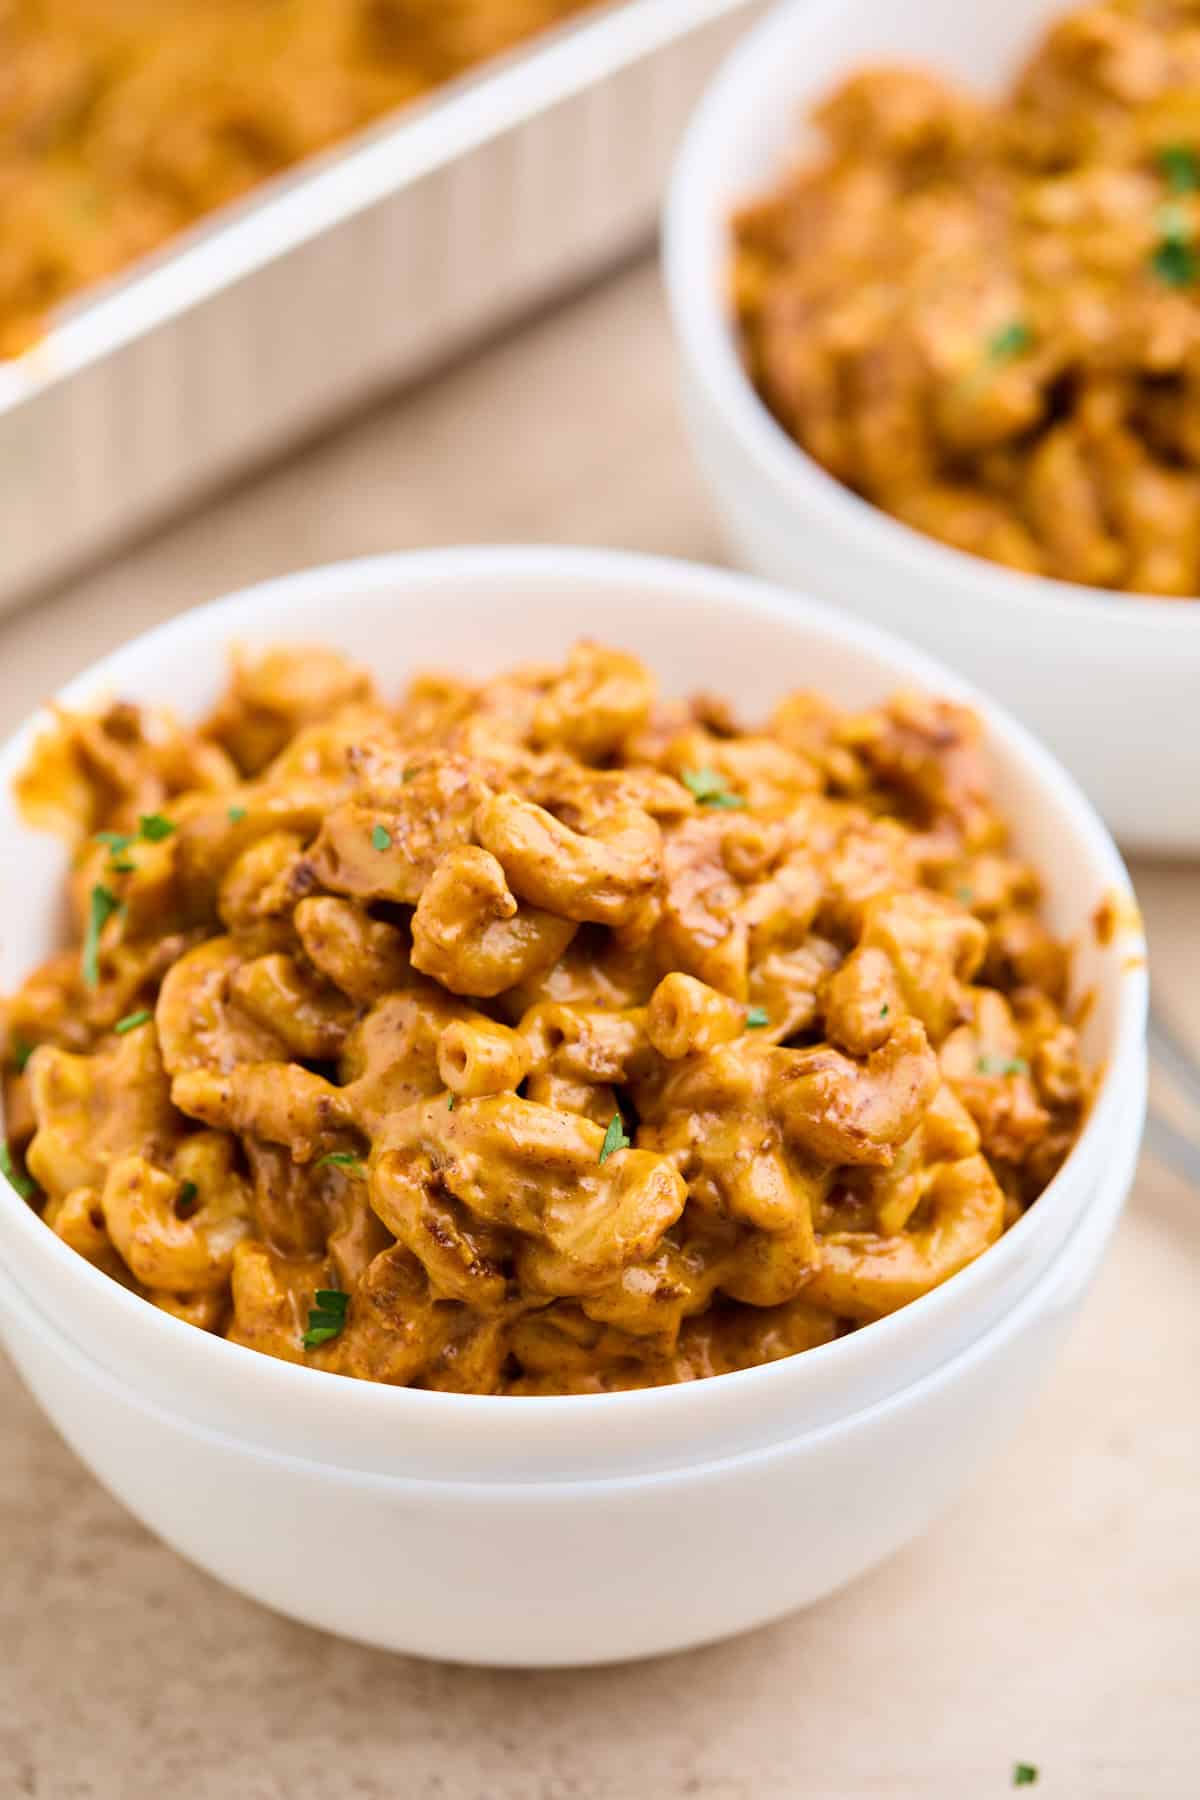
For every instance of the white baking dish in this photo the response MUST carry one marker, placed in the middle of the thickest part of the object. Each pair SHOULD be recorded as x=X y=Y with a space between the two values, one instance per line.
x=356 y=271
x=347 y=1502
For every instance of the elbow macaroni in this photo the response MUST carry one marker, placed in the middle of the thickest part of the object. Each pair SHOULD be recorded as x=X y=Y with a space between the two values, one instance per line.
x=585 y=1040
x=124 y=121
x=981 y=313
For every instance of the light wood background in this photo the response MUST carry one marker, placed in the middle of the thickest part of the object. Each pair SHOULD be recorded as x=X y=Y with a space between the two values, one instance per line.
x=1054 y=1617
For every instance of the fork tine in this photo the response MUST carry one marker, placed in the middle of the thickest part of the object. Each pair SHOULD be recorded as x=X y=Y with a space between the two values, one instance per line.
x=1176 y=1060
x=1171 y=1146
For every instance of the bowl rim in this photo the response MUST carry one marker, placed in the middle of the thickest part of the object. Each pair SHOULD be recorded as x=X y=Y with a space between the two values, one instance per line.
x=265 y=606
x=703 y=328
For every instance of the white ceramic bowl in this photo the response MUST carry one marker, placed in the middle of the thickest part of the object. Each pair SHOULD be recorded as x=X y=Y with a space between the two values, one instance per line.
x=537 y=1574
x=1110 y=682
x=361 y=1473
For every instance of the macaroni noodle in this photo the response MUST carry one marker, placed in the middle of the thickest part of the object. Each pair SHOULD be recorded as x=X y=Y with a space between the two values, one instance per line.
x=983 y=316
x=544 y=1036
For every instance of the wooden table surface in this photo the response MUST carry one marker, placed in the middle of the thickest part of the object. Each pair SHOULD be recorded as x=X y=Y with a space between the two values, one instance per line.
x=1053 y=1617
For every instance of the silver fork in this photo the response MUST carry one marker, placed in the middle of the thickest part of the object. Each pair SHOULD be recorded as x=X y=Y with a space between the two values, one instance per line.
x=1179 y=1064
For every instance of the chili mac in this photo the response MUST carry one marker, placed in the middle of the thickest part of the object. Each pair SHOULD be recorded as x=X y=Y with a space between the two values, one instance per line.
x=123 y=121
x=537 y=1036
x=984 y=317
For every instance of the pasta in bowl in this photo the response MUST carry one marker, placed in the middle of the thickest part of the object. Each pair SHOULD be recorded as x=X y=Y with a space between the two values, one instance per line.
x=535 y=1035
x=979 y=313
x=451 y=1523
x=1065 y=657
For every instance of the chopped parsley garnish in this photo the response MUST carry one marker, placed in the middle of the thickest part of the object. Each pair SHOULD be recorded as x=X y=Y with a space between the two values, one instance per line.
x=1003 y=1065
x=118 y=842
x=186 y=1200
x=709 y=788
x=884 y=1011
x=152 y=829
x=757 y=1017
x=131 y=1021
x=614 y=1138
x=409 y=773
x=1024 y=1774
x=21 y=1053
x=450 y=1103
x=341 y=1159
x=965 y=895
x=381 y=838
x=236 y=814
x=1180 y=168
x=24 y=1186
x=327 y=1316
x=1174 y=260
x=1012 y=340
x=103 y=905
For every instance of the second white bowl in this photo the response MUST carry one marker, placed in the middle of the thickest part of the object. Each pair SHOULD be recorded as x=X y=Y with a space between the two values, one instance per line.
x=1109 y=681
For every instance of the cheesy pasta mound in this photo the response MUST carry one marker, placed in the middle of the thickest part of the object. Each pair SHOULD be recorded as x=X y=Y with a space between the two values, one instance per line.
x=535 y=1037
x=123 y=121
x=984 y=317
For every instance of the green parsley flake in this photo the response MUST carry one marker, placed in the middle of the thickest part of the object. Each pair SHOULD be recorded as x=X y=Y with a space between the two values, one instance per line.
x=131 y=1021
x=757 y=1017
x=1180 y=168
x=409 y=774
x=21 y=1053
x=965 y=895
x=381 y=838
x=236 y=814
x=186 y=1199
x=103 y=905
x=341 y=1159
x=327 y=1317
x=118 y=842
x=155 y=828
x=709 y=788
x=450 y=1104
x=1024 y=1774
x=614 y=1138
x=1003 y=1065
x=24 y=1186
x=1012 y=340
x=884 y=1011
x=117 y=845
x=1174 y=261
